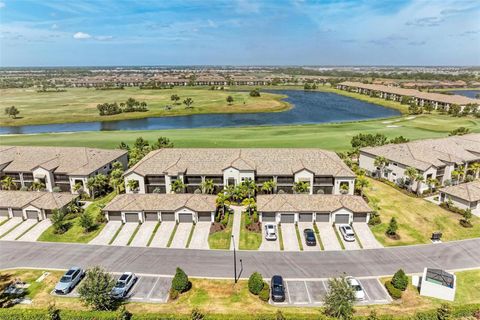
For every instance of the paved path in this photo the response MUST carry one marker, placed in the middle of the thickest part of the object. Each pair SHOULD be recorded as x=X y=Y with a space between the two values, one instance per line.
x=160 y=240
x=107 y=233
x=200 y=236
x=125 y=234
x=237 y=222
x=2 y=218
x=9 y=225
x=289 y=235
x=18 y=231
x=218 y=263
x=181 y=235
x=307 y=225
x=34 y=233
x=144 y=234
x=327 y=234
x=366 y=236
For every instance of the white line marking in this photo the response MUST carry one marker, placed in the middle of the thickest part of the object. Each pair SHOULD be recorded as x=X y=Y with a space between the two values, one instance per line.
x=389 y=299
x=308 y=293
x=288 y=292
x=151 y=291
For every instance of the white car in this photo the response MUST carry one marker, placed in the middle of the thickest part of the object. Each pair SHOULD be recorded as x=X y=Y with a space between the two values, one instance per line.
x=359 y=293
x=270 y=231
x=347 y=232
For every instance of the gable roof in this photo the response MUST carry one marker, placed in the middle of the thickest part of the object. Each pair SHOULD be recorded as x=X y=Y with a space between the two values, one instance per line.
x=40 y=199
x=469 y=191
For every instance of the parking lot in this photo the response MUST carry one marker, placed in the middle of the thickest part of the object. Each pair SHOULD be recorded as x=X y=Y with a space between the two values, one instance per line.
x=150 y=289
x=312 y=292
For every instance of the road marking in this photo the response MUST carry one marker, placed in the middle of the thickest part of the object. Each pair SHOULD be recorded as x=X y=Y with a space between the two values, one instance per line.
x=153 y=287
x=288 y=292
x=389 y=299
x=308 y=293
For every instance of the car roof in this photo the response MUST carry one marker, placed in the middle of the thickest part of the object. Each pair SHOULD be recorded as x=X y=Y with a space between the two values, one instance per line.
x=71 y=271
x=277 y=279
x=353 y=281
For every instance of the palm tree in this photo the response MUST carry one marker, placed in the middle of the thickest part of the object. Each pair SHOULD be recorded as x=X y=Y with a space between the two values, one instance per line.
x=419 y=179
x=381 y=163
x=207 y=186
x=248 y=188
x=361 y=183
x=8 y=183
x=132 y=185
x=432 y=183
x=37 y=186
x=91 y=186
x=455 y=176
x=301 y=187
x=475 y=169
x=250 y=204
x=222 y=200
x=411 y=173
x=269 y=186
x=461 y=171
x=177 y=186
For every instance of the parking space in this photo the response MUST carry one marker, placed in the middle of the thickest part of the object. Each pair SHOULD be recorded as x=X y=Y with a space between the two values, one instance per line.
x=34 y=233
x=269 y=245
x=144 y=233
x=161 y=237
x=349 y=245
x=366 y=236
x=301 y=227
x=328 y=236
x=289 y=235
x=107 y=233
x=125 y=234
x=181 y=235
x=312 y=292
x=20 y=229
x=13 y=222
x=200 y=236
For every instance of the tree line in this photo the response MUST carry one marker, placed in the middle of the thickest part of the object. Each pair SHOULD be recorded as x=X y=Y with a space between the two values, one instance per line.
x=131 y=105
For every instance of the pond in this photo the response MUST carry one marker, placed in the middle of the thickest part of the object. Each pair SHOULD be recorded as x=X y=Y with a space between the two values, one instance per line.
x=467 y=93
x=308 y=108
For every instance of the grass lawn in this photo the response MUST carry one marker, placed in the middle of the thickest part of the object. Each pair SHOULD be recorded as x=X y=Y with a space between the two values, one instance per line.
x=332 y=136
x=249 y=240
x=417 y=218
x=222 y=239
x=80 y=104
x=75 y=233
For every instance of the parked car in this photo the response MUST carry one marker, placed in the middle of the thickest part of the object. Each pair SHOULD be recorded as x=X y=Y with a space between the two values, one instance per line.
x=310 y=239
x=69 y=280
x=278 y=289
x=347 y=232
x=123 y=285
x=355 y=284
x=270 y=231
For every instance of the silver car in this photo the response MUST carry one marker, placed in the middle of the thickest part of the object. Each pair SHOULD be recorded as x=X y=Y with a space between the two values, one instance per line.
x=69 y=280
x=347 y=232
x=123 y=285
x=357 y=287
x=270 y=231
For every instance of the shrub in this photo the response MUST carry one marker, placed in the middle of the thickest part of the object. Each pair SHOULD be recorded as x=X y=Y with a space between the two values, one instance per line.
x=173 y=294
x=124 y=314
x=264 y=294
x=248 y=220
x=400 y=280
x=392 y=227
x=86 y=222
x=56 y=189
x=444 y=312
x=279 y=316
x=53 y=313
x=255 y=216
x=180 y=281
x=255 y=283
x=197 y=315
x=394 y=292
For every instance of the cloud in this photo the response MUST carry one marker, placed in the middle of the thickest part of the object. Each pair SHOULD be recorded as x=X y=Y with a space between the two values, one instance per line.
x=425 y=22
x=54 y=26
x=81 y=36
x=2 y=4
x=247 y=6
x=103 y=38
x=386 y=41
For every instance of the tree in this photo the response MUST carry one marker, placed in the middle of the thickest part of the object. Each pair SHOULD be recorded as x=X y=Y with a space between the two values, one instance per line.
x=178 y=186
x=222 y=200
x=250 y=204
x=162 y=142
x=392 y=227
x=467 y=216
x=400 y=280
x=428 y=107
x=301 y=187
x=255 y=93
x=37 y=186
x=59 y=224
x=115 y=180
x=381 y=163
x=207 y=186
x=95 y=290
x=97 y=184
x=269 y=186
x=459 y=131
x=361 y=183
x=86 y=222
x=344 y=188
x=362 y=140
x=8 y=183
x=132 y=185
x=188 y=103
x=432 y=184
x=339 y=299
x=248 y=188
x=12 y=112
x=399 y=139
x=229 y=100
x=174 y=98
x=255 y=283
x=419 y=179
x=180 y=281
x=412 y=174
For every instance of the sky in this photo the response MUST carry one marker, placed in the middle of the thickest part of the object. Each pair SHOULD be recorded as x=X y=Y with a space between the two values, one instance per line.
x=239 y=32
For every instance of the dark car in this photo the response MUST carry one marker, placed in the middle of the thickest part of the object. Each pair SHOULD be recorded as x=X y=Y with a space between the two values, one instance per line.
x=278 y=289
x=310 y=239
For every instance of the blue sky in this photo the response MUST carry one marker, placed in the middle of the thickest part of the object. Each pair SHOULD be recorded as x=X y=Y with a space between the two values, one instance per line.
x=239 y=32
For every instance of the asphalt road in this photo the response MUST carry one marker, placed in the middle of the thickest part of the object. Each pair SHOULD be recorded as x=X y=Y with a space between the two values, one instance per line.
x=219 y=263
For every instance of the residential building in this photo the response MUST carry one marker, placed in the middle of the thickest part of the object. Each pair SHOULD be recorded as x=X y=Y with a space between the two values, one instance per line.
x=161 y=207
x=463 y=196
x=32 y=205
x=323 y=170
x=442 y=159
x=57 y=167
x=293 y=208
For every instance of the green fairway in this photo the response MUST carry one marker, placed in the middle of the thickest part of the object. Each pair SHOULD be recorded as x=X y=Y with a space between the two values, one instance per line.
x=80 y=104
x=332 y=136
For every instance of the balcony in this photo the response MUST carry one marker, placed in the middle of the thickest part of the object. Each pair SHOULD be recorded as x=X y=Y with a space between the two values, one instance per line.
x=285 y=180
x=155 y=180
x=323 y=181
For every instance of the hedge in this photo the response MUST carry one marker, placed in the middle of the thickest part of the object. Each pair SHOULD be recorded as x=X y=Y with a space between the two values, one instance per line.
x=264 y=294
x=394 y=292
x=255 y=283
x=400 y=280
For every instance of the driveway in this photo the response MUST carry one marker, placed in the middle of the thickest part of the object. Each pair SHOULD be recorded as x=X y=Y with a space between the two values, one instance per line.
x=366 y=236
x=289 y=235
x=34 y=233
x=349 y=245
x=125 y=234
x=328 y=237
x=200 y=236
x=144 y=234
x=181 y=235
x=161 y=237
x=107 y=233
x=13 y=222
x=269 y=245
x=20 y=229
x=307 y=225
x=237 y=221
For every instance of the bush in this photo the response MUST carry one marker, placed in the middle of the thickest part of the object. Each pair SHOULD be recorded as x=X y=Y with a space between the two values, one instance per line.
x=173 y=294
x=56 y=189
x=264 y=294
x=180 y=281
x=400 y=280
x=124 y=314
x=197 y=315
x=86 y=222
x=394 y=292
x=444 y=312
x=255 y=283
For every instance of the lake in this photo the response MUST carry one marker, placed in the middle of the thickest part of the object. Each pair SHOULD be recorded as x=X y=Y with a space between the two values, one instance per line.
x=308 y=108
x=466 y=93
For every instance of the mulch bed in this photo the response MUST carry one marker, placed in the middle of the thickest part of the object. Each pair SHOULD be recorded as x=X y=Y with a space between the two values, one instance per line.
x=216 y=227
x=255 y=227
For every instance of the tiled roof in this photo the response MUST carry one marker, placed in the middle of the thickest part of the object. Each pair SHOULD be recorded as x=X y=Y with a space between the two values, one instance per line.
x=469 y=191
x=41 y=200
x=263 y=161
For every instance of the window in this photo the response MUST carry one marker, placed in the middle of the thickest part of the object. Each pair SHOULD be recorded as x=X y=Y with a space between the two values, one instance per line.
x=231 y=181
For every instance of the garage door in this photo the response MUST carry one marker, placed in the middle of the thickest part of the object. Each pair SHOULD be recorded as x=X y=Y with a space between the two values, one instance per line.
x=268 y=216
x=360 y=217
x=305 y=217
x=168 y=216
x=131 y=217
x=185 y=217
x=48 y=214
x=18 y=213
x=205 y=216
x=32 y=214
x=151 y=216
x=342 y=218
x=114 y=216
x=323 y=217
x=287 y=218
x=3 y=212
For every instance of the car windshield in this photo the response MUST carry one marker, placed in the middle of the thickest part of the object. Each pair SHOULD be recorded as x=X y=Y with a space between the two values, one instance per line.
x=65 y=279
x=120 y=285
x=356 y=287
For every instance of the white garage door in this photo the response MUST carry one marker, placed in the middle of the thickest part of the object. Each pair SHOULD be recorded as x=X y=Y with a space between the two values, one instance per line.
x=185 y=217
x=305 y=217
x=114 y=216
x=287 y=218
x=168 y=216
x=131 y=217
x=204 y=216
x=342 y=218
x=268 y=216
x=323 y=217
x=32 y=214
x=151 y=216
x=18 y=213
x=4 y=212
x=360 y=217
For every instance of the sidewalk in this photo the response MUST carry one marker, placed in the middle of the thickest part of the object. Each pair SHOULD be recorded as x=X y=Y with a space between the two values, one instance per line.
x=237 y=221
